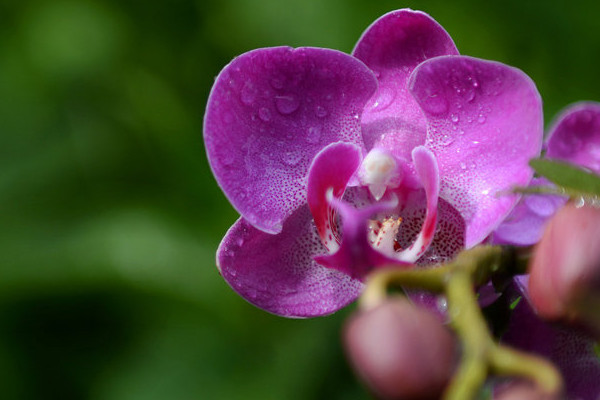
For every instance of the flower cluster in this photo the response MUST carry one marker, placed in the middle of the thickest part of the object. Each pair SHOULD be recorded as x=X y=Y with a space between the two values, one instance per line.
x=564 y=272
x=340 y=163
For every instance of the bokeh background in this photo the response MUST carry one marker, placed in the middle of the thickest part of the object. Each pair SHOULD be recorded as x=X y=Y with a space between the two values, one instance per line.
x=110 y=216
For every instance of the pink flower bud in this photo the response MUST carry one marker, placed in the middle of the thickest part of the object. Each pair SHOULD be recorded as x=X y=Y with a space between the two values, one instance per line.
x=564 y=278
x=401 y=351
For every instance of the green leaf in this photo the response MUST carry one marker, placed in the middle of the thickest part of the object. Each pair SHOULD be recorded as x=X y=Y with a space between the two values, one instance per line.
x=576 y=181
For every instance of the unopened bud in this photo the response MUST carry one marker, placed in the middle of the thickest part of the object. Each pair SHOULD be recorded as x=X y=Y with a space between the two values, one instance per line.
x=401 y=351
x=564 y=281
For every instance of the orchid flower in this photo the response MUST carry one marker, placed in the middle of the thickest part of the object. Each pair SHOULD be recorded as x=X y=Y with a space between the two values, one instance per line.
x=340 y=163
x=573 y=351
x=574 y=137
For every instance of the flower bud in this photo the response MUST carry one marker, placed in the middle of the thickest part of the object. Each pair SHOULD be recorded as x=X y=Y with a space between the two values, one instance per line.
x=564 y=278
x=401 y=351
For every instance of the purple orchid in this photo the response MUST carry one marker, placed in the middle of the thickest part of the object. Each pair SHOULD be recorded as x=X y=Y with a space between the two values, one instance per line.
x=572 y=351
x=573 y=137
x=342 y=163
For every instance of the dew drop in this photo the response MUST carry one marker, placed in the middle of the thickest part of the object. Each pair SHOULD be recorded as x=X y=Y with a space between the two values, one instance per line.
x=470 y=95
x=481 y=118
x=264 y=114
x=435 y=104
x=313 y=135
x=248 y=94
x=385 y=99
x=442 y=304
x=455 y=118
x=287 y=104
x=446 y=140
x=321 y=111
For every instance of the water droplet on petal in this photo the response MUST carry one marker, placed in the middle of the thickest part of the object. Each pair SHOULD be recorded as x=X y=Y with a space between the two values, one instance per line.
x=248 y=94
x=287 y=104
x=321 y=111
x=455 y=118
x=435 y=104
x=384 y=99
x=446 y=140
x=313 y=135
x=264 y=114
x=470 y=95
x=481 y=118
x=442 y=304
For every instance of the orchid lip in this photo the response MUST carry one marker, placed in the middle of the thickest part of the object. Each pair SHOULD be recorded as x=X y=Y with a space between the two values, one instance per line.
x=382 y=233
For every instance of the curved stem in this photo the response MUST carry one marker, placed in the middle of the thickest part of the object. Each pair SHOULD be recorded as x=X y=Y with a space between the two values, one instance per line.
x=481 y=355
x=511 y=362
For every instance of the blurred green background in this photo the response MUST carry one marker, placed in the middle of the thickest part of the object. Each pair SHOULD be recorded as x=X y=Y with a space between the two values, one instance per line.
x=110 y=215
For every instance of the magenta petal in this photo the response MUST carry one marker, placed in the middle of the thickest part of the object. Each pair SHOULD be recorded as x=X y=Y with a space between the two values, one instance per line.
x=484 y=125
x=392 y=47
x=269 y=113
x=277 y=272
x=427 y=169
x=571 y=351
x=525 y=224
x=575 y=136
x=331 y=169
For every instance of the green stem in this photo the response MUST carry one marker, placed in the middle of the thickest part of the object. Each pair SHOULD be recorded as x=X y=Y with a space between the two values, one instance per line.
x=469 y=324
x=510 y=362
x=378 y=283
x=480 y=353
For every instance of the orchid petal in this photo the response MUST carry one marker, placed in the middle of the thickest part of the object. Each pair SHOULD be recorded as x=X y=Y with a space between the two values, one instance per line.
x=448 y=241
x=392 y=47
x=484 y=125
x=277 y=272
x=575 y=136
x=427 y=169
x=570 y=350
x=331 y=169
x=525 y=225
x=269 y=113
x=356 y=256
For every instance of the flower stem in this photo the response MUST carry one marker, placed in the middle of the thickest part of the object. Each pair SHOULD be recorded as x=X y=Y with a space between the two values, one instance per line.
x=481 y=355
